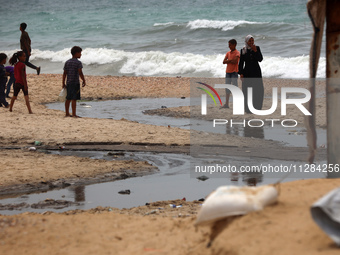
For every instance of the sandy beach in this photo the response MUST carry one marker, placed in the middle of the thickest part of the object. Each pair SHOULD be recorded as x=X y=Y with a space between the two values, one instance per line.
x=283 y=228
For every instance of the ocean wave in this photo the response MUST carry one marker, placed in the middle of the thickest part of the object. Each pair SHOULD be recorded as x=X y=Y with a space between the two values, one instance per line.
x=224 y=25
x=157 y=63
x=293 y=67
x=163 y=24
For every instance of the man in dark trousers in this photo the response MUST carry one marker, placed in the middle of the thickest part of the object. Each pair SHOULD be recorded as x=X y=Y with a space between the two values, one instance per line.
x=25 y=44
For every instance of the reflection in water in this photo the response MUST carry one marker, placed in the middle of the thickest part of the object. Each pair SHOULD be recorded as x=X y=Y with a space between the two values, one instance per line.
x=234 y=177
x=251 y=179
x=232 y=130
x=256 y=132
x=79 y=194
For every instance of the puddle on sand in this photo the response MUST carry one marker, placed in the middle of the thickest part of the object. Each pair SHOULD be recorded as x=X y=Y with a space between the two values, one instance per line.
x=293 y=137
x=173 y=181
x=133 y=110
x=130 y=109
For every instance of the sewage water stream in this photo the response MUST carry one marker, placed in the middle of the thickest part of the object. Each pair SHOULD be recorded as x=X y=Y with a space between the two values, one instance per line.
x=173 y=181
x=133 y=110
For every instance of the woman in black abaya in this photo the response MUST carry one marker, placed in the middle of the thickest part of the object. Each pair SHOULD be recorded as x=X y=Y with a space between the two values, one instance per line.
x=250 y=73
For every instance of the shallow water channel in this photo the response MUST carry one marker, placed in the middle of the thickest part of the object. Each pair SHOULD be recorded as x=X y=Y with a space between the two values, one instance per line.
x=172 y=181
x=132 y=109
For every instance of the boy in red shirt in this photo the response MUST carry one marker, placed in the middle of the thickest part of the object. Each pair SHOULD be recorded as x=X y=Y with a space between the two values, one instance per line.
x=231 y=59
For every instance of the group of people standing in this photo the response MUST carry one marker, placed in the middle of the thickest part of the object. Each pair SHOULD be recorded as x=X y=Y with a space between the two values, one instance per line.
x=17 y=73
x=20 y=59
x=245 y=64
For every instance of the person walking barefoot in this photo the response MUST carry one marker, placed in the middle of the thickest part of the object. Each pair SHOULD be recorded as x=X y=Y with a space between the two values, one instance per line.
x=18 y=60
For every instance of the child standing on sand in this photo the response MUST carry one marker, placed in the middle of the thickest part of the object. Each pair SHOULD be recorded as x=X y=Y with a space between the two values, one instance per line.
x=18 y=60
x=231 y=59
x=72 y=70
x=3 y=79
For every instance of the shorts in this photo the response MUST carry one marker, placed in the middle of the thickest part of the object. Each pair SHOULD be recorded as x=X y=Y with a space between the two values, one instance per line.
x=231 y=78
x=73 y=91
x=18 y=87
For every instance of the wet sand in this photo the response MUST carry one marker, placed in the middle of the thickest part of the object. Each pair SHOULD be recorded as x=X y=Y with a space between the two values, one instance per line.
x=138 y=230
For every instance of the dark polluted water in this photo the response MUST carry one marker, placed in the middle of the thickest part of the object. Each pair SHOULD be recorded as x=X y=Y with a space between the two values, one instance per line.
x=132 y=109
x=174 y=179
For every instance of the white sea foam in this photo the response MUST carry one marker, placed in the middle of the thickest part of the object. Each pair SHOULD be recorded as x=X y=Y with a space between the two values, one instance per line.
x=157 y=63
x=224 y=25
x=294 y=67
x=163 y=24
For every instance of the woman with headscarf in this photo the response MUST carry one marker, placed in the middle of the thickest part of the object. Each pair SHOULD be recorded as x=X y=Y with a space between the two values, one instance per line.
x=250 y=73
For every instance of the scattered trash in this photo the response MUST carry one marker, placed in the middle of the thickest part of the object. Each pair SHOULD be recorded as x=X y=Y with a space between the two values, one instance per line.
x=32 y=149
x=175 y=206
x=184 y=199
x=233 y=200
x=61 y=147
x=62 y=95
x=201 y=199
x=182 y=97
x=326 y=214
x=37 y=143
x=163 y=107
x=125 y=192
x=202 y=178
x=227 y=203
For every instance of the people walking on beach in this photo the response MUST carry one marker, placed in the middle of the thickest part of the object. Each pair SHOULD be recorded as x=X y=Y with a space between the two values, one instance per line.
x=250 y=73
x=25 y=44
x=3 y=80
x=10 y=70
x=18 y=60
x=231 y=59
x=72 y=71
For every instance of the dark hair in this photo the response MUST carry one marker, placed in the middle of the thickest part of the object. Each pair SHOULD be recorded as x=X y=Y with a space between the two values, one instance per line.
x=15 y=58
x=76 y=49
x=23 y=26
x=2 y=56
x=233 y=42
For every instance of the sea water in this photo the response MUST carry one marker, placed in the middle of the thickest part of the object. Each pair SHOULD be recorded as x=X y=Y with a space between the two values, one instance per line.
x=160 y=38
